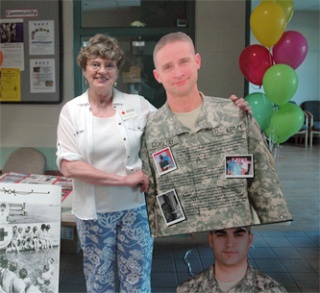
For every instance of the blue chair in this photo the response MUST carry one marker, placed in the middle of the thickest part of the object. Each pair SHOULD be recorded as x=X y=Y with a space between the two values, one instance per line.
x=312 y=108
x=303 y=133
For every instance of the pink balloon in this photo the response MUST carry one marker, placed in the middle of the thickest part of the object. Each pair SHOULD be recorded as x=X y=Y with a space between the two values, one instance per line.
x=291 y=49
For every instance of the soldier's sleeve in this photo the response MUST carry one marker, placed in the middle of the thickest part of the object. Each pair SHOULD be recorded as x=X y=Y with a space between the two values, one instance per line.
x=202 y=282
x=183 y=289
x=150 y=195
x=258 y=281
x=188 y=286
x=265 y=193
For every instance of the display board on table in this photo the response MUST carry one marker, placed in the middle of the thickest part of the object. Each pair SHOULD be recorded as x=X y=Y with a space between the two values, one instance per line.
x=30 y=236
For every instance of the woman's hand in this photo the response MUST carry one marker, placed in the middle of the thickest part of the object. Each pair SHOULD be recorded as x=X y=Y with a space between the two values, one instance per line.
x=145 y=185
x=138 y=179
x=241 y=103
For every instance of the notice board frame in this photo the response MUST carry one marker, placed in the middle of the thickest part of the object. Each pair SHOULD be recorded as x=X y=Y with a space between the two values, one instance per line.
x=35 y=15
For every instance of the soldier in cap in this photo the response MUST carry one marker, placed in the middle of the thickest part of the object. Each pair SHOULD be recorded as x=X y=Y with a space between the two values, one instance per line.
x=231 y=271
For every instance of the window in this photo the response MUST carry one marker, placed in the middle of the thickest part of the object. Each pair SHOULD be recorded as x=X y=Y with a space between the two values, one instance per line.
x=137 y=25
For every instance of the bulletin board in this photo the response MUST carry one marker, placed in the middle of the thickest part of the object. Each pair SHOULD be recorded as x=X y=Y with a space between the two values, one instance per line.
x=30 y=52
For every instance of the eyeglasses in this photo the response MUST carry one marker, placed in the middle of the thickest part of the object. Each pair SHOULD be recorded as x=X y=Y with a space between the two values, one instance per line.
x=107 y=66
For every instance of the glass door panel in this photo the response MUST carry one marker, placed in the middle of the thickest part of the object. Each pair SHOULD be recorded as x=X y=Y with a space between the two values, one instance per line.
x=133 y=13
x=136 y=75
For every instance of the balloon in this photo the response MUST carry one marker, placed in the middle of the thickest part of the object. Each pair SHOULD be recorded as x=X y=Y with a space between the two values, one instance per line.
x=270 y=133
x=280 y=83
x=262 y=108
x=285 y=122
x=1 y=58
x=254 y=61
x=287 y=5
x=283 y=139
x=268 y=21
x=291 y=49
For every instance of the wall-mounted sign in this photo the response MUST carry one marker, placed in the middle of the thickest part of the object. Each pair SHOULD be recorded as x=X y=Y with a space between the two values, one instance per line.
x=21 y=13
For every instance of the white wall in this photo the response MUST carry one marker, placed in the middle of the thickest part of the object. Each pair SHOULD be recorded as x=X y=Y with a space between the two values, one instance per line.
x=220 y=38
x=308 y=24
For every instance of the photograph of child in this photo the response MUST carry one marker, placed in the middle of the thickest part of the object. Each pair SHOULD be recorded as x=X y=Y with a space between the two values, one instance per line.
x=164 y=161
x=239 y=166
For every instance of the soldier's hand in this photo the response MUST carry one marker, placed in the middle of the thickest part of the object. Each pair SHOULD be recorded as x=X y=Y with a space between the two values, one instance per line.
x=241 y=103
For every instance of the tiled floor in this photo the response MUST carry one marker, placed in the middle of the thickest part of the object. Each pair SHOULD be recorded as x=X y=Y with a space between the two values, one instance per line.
x=290 y=254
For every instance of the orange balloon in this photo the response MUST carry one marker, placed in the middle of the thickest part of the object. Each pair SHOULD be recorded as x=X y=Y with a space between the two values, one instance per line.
x=1 y=58
x=268 y=22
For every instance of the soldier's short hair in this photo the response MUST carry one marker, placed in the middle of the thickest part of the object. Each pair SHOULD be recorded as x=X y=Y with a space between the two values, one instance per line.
x=171 y=38
x=247 y=228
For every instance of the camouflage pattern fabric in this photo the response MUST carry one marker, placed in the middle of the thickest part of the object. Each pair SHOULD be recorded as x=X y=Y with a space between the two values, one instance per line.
x=253 y=281
x=207 y=198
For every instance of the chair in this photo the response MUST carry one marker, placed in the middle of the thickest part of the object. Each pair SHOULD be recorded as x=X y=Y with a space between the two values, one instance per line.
x=312 y=108
x=25 y=160
x=304 y=131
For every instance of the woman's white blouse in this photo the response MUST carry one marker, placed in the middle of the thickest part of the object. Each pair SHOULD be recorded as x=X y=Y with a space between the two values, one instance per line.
x=75 y=142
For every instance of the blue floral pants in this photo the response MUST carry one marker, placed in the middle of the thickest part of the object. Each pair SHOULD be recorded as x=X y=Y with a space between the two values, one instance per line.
x=117 y=244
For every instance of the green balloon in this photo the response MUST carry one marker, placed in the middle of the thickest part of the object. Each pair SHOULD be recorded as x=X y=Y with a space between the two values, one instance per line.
x=270 y=133
x=285 y=122
x=280 y=83
x=262 y=108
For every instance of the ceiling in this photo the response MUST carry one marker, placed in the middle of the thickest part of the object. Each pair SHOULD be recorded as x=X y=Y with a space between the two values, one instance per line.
x=307 y=5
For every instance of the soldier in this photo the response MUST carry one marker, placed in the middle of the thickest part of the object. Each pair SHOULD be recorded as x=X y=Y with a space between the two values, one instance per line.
x=231 y=271
x=200 y=132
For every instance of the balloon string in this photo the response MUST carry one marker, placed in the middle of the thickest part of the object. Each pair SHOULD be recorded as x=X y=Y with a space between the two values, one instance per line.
x=271 y=57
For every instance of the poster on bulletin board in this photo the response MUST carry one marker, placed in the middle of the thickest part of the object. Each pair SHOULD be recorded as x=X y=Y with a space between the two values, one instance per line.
x=30 y=55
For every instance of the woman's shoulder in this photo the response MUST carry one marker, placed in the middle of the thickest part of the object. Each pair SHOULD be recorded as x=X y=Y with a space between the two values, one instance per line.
x=133 y=101
x=118 y=95
x=79 y=100
x=71 y=106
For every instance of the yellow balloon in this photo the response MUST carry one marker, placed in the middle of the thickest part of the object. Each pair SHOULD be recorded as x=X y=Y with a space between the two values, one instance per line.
x=287 y=5
x=268 y=22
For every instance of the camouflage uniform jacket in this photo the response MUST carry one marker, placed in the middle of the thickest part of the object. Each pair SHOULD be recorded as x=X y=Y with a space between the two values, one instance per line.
x=208 y=199
x=254 y=281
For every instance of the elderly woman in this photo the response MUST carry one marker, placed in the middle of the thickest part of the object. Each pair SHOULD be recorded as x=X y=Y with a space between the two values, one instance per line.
x=98 y=145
